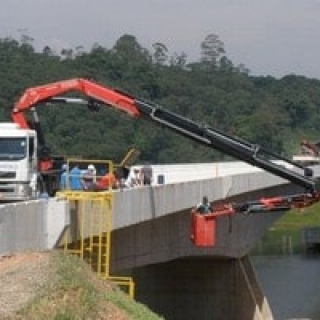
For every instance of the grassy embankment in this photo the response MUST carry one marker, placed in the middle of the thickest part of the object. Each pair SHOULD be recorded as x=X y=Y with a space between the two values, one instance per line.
x=285 y=236
x=70 y=291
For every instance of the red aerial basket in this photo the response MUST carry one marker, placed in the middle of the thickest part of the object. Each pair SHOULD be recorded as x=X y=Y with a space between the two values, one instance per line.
x=203 y=229
x=203 y=226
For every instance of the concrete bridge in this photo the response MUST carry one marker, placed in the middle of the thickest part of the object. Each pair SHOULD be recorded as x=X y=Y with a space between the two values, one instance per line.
x=151 y=230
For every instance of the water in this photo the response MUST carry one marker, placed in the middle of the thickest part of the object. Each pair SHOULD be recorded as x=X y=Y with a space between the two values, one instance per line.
x=291 y=284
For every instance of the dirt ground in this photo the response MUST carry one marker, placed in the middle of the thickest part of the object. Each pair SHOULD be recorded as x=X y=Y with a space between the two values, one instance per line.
x=20 y=276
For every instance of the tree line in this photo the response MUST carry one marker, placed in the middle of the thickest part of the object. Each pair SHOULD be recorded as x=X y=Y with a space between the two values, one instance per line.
x=274 y=113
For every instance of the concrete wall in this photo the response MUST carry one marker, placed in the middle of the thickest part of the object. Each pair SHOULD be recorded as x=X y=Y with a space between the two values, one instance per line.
x=137 y=205
x=168 y=238
x=39 y=224
x=22 y=227
x=34 y=225
x=202 y=289
x=175 y=173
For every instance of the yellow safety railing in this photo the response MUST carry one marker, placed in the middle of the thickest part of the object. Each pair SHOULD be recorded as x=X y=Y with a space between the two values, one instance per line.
x=89 y=232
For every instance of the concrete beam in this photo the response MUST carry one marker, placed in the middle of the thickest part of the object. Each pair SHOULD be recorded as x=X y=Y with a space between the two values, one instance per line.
x=202 y=288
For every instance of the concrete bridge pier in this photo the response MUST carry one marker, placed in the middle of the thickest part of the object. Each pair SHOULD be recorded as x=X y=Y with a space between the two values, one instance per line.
x=202 y=288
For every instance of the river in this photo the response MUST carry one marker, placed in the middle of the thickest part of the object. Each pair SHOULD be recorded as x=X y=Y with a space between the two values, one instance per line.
x=291 y=284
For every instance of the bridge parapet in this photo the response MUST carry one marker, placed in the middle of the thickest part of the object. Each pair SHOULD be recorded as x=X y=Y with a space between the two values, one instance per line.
x=140 y=204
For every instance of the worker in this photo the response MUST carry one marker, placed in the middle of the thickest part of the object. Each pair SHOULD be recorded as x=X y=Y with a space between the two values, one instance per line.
x=204 y=207
x=134 y=179
x=122 y=174
x=63 y=177
x=109 y=180
x=88 y=178
x=75 y=178
x=146 y=174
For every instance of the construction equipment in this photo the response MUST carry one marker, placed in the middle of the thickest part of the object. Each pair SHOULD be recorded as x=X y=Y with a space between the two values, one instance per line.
x=35 y=171
x=309 y=153
x=18 y=162
x=311 y=148
x=100 y=95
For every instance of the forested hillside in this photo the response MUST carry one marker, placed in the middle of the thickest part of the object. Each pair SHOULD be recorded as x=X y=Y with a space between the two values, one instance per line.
x=275 y=113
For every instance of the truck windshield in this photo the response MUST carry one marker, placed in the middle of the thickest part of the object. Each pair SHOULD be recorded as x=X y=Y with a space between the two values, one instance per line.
x=12 y=148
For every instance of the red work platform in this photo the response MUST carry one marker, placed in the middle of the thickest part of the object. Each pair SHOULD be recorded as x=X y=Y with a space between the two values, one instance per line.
x=203 y=230
x=203 y=226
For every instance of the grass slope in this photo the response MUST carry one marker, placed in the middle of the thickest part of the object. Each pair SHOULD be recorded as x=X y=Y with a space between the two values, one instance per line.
x=55 y=286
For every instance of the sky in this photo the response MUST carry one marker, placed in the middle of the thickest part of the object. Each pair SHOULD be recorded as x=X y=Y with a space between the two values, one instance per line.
x=274 y=37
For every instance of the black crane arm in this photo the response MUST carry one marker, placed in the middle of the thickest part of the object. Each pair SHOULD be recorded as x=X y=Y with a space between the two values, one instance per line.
x=237 y=148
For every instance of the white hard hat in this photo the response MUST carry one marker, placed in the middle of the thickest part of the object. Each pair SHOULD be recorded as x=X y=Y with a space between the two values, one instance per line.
x=91 y=167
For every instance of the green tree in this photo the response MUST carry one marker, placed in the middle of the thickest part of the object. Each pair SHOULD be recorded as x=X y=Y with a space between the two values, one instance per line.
x=211 y=49
x=160 y=54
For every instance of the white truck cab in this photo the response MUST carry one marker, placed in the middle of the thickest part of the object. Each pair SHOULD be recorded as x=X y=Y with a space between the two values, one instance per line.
x=18 y=163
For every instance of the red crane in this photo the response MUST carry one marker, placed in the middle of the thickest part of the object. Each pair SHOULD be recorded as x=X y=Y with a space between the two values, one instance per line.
x=101 y=95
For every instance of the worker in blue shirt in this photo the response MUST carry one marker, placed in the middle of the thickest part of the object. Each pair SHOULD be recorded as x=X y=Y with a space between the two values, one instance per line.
x=63 y=177
x=75 y=178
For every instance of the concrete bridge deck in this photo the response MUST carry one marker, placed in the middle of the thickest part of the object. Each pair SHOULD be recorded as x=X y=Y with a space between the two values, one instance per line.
x=38 y=224
x=151 y=242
